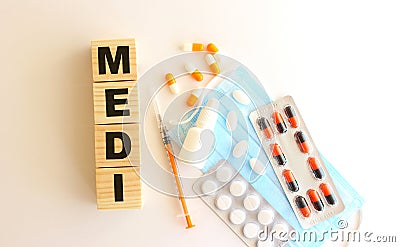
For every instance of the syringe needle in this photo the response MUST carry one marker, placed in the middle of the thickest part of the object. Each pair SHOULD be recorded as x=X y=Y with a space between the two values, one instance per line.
x=167 y=144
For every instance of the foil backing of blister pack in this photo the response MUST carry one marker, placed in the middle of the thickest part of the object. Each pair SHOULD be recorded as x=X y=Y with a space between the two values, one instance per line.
x=296 y=159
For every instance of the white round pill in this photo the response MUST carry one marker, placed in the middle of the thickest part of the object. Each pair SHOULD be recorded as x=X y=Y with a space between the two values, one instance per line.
x=240 y=149
x=237 y=216
x=251 y=202
x=281 y=231
x=241 y=97
x=208 y=187
x=237 y=188
x=265 y=216
x=231 y=121
x=224 y=174
x=223 y=202
x=266 y=243
x=250 y=230
x=257 y=166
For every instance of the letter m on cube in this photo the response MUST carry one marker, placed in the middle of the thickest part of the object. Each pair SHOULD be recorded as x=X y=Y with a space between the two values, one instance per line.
x=114 y=60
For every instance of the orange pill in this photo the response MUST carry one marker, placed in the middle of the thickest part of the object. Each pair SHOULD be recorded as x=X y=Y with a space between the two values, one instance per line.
x=316 y=168
x=302 y=205
x=291 y=115
x=212 y=48
x=315 y=199
x=194 y=72
x=302 y=142
x=278 y=154
x=280 y=124
x=291 y=181
x=328 y=193
x=265 y=126
x=193 y=47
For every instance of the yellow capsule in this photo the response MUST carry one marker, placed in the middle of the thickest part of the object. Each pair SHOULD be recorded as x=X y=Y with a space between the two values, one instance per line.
x=193 y=97
x=212 y=63
x=193 y=47
x=191 y=100
x=195 y=73
x=171 y=82
x=212 y=48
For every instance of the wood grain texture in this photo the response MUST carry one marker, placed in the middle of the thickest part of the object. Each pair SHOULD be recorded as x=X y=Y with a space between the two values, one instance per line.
x=99 y=101
x=132 y=130
x=113 y=44
x=132 y=195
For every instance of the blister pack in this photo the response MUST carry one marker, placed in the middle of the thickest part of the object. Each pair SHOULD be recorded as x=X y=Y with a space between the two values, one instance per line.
x=296 y=162
x=241 y=207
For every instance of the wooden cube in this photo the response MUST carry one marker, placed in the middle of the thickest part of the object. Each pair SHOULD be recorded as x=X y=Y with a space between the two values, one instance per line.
x=114 y=60
x=116 y=102
x=118 y=188
x=117 y=144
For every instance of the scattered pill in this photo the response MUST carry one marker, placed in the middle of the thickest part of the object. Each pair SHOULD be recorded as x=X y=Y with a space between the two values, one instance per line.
x=193 y=47
x=265 y=216
x=237 y=188
x=241 y=97
x=328 y=193
x=171 y=82
x=224 y=174
x=265 y=243
x=316 y=168
x=278 y=155
x=251 y=202
x=240 y=149
x=281 y=231
x=212 y=48
x=194 y=72
x=291 y=114
x=231 y=121
x=212 y=63
x=265 y=126
x=302 y=141
x=302 y=205
x=223 y=202
x=315 y=199
x=280 y=124
x=290 y=180
x=257 y=166
x=209 y=187
x=192 y=99
x=250 y=230
x=237 y=216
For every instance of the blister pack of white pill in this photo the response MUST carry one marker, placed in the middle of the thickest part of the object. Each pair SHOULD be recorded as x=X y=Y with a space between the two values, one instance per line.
x=241 y=207
x=296 y=162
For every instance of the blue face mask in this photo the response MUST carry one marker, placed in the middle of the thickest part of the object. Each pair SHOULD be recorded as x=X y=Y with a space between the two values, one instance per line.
x=267 y=184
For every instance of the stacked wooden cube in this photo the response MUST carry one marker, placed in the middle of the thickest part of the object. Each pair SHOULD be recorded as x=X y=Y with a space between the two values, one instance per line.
x=116 y=112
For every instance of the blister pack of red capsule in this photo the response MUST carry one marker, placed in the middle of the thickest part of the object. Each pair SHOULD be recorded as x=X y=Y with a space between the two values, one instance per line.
x=296 y=162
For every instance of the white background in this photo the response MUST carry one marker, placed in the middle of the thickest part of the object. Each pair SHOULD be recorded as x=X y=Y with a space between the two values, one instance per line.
x=339 y=59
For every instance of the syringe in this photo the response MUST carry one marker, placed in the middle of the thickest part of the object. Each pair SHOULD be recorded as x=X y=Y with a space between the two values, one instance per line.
x=167 y=144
